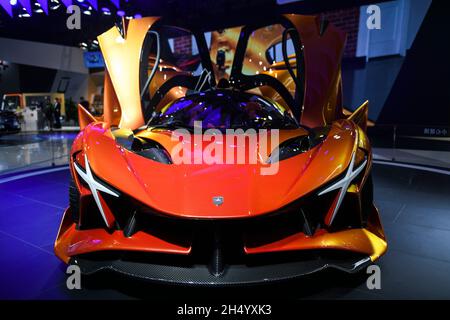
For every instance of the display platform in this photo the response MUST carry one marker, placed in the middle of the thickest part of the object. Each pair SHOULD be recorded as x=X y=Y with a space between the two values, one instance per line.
x=413 y=204
x=28 y=151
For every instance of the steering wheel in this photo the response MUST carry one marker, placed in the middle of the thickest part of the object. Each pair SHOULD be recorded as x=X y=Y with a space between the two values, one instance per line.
x=180 y=80
x=246 y=82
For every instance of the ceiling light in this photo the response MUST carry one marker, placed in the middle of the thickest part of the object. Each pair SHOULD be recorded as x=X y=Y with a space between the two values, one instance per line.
x=106 y=11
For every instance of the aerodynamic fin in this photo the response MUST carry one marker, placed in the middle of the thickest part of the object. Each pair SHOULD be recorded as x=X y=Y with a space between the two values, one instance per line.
x=84 y=117
x=361 y=115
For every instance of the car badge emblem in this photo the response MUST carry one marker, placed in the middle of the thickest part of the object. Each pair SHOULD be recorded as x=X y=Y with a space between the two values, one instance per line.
x=218 y=201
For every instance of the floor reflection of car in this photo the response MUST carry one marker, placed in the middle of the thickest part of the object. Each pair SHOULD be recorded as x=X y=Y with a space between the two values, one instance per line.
x=9 y=122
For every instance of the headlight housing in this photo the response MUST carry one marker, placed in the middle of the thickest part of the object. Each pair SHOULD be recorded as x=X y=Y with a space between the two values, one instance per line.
x=151 y=150
x=146 y=148
x=298 y=145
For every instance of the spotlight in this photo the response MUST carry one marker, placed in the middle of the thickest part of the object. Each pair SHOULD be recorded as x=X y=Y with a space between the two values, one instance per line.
x=39 y=11
x=120 y=13
x=106 y=11
x=137 y=16
x=54 y=4
x=87 y=12
x=13 y=2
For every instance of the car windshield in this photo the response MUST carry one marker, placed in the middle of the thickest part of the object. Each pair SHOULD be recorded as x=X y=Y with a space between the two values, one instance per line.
x=10 y=103
x=224 y=109
x=180 y=62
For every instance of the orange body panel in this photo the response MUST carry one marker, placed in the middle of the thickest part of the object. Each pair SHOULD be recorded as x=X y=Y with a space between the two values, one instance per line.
x=242 y=186
x=244 y=190
x=357 y=240
x=72 y=242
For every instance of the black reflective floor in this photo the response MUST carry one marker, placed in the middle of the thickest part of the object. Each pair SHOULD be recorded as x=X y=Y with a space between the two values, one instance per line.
x=415 y=208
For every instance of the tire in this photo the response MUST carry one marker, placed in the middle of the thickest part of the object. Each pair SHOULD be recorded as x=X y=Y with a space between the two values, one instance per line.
x=367 y=199
x=74 y=200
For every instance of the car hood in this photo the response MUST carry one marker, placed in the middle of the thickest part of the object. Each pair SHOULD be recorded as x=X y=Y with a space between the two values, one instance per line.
x=188 y=190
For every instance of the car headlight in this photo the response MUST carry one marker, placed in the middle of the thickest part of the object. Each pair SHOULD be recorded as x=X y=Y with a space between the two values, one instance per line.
x=298 y=145
x=151 y=150
x=289 y=148
x=146 y=148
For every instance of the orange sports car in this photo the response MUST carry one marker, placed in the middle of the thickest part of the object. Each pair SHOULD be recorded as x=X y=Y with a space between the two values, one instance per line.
x=222 y=157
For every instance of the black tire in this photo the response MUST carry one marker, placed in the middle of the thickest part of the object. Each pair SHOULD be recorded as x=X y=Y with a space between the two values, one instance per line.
x=74 y=200
x=367 y=199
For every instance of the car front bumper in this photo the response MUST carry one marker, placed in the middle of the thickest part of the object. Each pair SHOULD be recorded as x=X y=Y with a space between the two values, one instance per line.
x=232 y=275
x=152 y=257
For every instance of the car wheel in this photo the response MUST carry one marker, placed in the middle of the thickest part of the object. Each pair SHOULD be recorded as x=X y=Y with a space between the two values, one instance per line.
x=367 y=199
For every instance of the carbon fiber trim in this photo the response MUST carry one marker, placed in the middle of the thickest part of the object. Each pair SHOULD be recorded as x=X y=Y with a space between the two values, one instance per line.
x=240 y=274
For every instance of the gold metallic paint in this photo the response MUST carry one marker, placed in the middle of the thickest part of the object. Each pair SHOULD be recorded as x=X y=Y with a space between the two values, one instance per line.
x=122 y=59
x=245 y=193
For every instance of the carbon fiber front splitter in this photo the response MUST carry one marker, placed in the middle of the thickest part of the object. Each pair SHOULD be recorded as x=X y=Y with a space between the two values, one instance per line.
x=238 y=274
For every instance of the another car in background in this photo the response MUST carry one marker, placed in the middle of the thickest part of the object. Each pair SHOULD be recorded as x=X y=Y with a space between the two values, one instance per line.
x=9 y=121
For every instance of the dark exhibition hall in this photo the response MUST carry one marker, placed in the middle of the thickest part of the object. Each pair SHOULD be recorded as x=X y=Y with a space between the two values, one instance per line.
x=199 y=151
